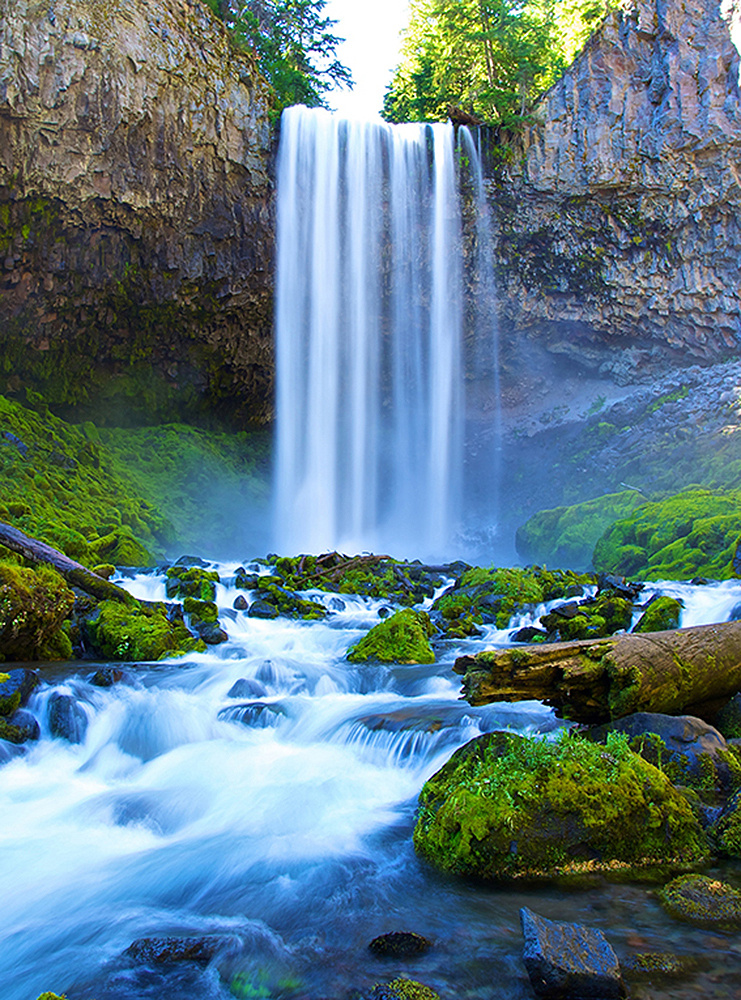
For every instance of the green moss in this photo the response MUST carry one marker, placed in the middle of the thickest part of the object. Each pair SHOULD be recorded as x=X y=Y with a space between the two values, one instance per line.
x=118 y=632
x=201 y=611
x=566 y=536
x=33 y=607
x=52 y=996
x=693 y=533
x=402 y=638
x=702 y=900
x=403 y=989
x=670 y=397
x=661 y=615
x=596 y=619
x=185 y=581
x=505 y=807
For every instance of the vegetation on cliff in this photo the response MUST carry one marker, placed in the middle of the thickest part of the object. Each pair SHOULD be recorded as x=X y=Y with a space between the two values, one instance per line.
x=492 y=59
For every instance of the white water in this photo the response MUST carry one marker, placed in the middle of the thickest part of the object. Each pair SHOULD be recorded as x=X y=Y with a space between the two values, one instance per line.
x=287 y=833
x=369 y=336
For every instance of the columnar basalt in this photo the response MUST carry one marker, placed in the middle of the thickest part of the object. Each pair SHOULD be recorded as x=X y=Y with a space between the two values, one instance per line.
x=135 y=214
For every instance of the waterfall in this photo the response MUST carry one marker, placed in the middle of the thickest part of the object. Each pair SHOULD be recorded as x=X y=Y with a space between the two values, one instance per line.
x=369 y=331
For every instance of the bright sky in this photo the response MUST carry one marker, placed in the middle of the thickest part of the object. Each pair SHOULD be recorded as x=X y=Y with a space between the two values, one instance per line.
x=371 y=29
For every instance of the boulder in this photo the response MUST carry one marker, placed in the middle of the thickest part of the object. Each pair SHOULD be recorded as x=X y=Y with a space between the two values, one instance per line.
x=107 y=677
x=240 y=603
x=67 y=720
x=15 y=688
x=702 y=900
x=20 y=727
x=402 y=989
x=400 y=944
x=568 y=961
x=261 y=609
x=246 y=688
x=160 y=951
x=509 y=807
x=211 y=633
x=662 y=613
x=402 y=638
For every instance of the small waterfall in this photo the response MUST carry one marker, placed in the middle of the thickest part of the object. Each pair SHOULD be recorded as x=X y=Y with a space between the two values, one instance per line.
x=369 y=336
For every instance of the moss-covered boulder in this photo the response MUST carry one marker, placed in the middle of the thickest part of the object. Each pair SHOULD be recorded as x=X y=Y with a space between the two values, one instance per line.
x=701 y=900
x=15 y=689
x=607 y=614
x=145 y=632
x=693 y=533
x=191 y=581
x=286 y=602
x=662 y=614
x=505 y=807
x=402 y=989
x=34 y=605
x=402 y=638
x=566 y=536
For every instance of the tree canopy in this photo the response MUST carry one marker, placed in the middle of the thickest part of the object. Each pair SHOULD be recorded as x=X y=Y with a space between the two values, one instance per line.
x=294 y=44
x=491 y=58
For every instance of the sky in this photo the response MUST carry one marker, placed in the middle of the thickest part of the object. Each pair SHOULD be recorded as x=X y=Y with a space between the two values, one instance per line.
x=371 y=29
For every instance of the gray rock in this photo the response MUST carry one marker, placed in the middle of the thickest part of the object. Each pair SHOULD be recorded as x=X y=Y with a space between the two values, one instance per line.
x=568 y=961
x=211 y=633
x=16 y=690
x=261 y=609
x=245 y=687
x=67 y=720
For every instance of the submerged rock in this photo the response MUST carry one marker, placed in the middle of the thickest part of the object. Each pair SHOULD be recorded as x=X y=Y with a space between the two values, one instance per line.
x=15 y=688
x=400 y=944
x=702 y=900
x=506 y=807
x=67 y=720
x=261 y=609
x=20 y=727
x=402 y=638
x=158 y=951
x=402 y=989
x=566 y=961
x=246 y=688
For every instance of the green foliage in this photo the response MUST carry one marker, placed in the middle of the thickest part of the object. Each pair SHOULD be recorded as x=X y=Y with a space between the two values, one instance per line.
x=33 y=607
x=566 y=536
x=693 y=533
x=118 y=632
x=506 y=806
x=661 y=615
x=402 y=638
x=59 y=485
x=294 y=44
x=492 y=58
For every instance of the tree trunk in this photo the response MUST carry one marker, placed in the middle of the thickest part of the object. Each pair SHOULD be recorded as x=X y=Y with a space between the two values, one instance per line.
x=596 y=680
x=74 y=573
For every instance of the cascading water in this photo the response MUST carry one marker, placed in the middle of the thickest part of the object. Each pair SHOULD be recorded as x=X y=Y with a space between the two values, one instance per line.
x=369 y=336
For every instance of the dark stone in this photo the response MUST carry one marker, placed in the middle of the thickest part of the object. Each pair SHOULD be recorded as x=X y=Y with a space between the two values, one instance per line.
x=568 y=961
x=699 y=581
x=168 y=949
x=16 y=690
x=621 y=586
x=528 y=634
x=191 y=561
x=384 y=612
x=570 y=610
x=246 y=581
x=254 y=713
x=261 y=609
x=400 y=944
x=26 y=723
x=67 y=720
x=240 y=603
x=106 y=677
x=211 y=633
x=337 y=604
x=246 y=688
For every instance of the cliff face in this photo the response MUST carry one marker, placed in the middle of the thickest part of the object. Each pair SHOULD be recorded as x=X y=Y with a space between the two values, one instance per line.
x=620 y=231
x=135 y=216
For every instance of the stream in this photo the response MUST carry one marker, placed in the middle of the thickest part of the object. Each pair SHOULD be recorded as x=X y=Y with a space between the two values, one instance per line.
x=264 y=792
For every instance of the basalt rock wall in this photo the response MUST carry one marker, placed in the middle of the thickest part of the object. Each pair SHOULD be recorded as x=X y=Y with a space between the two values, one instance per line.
x=135 y=212
x=619 y=211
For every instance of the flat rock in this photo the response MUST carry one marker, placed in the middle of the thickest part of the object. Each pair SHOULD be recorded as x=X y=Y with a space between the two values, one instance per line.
x=171 y=949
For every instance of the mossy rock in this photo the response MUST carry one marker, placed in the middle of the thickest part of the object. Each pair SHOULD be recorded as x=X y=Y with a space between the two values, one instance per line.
x=121 y=548
x=693 y=533
x=566 y=536
x=52 y=996
x=506 y=807
x=701 y=900
x=118 y=632
x=402 y=638
x=191 y=581
x=34 y=605
x=201 y=611
x=605 y=615
x=403 y=989
x=287 y=603
x=377 y=577
x=661 y=615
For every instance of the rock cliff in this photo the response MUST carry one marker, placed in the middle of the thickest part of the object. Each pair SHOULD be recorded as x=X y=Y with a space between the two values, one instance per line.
x=620 y=231
x=135 y=215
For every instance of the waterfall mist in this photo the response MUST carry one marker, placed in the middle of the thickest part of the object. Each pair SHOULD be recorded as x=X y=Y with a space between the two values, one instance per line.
x=370 y=317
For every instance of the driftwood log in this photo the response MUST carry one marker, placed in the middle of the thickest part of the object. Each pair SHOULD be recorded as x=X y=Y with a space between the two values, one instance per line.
x=73 y=572
x=596 y=680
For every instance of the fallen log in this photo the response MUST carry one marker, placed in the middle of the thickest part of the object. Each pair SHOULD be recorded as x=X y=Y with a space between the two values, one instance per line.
x=595 y=680
x=74 y=573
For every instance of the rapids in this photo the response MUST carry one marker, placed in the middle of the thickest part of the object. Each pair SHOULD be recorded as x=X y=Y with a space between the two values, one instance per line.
x=279 y=819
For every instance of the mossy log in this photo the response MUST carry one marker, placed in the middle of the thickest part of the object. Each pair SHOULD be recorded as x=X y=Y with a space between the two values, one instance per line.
x=73 y=572
x=595 y=680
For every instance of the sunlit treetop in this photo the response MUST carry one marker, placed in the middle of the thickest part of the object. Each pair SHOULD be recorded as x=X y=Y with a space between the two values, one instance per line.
x=490 y=58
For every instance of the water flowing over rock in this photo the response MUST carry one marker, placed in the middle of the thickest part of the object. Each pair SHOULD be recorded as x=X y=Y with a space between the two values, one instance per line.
x=135 y=227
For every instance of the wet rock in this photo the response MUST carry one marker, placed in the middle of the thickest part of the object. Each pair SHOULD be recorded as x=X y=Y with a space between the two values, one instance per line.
x=190 y=561
x=402 y=638
x=256 y=714
x=67 y=720
x=26 y=725
x=400 y=944
x=246 y=581
x=246 y=688
x=240 y=603
x=261 y=609
x=106 y=677
x=528 y=634
x=15 y=688
x=402 y=989
x=337 y=604
x=159 y=951
x=566 y=961
x=661 y=614
x=211 y=633
x=701 y=900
